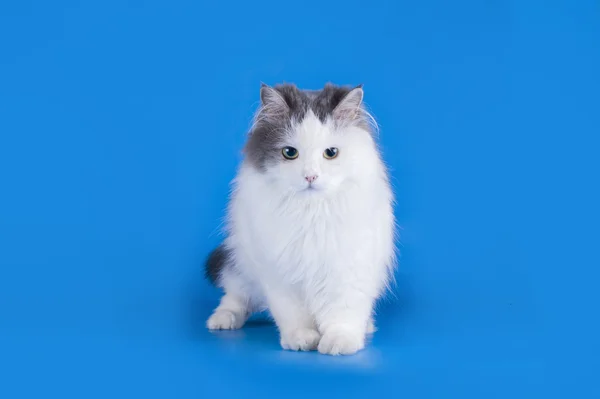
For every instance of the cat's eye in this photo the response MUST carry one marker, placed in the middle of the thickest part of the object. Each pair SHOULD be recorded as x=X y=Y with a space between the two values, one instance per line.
x=331 y=153
x=289 y=153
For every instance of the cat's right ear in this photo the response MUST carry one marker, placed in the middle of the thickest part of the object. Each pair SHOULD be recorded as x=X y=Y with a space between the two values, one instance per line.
x=272 y=101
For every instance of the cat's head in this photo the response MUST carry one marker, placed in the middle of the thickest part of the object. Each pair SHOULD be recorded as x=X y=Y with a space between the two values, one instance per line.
x=312 y=142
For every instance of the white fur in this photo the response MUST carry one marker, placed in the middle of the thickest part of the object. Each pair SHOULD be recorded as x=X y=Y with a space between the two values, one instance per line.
x=319 y=258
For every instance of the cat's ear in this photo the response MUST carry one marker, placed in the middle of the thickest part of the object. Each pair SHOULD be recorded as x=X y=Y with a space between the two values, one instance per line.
x=349 y=106
x=272 y=101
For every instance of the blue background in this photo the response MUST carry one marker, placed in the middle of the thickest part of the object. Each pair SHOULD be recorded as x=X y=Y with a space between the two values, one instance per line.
x=121 y=124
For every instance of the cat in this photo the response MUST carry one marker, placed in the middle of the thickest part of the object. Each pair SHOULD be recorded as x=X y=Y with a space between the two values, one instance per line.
x=310 y=232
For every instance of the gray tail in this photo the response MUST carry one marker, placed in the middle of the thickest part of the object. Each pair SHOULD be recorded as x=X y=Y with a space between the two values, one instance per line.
x=215 y=263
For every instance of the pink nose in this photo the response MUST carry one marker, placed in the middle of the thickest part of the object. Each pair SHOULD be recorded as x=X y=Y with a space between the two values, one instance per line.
x=311 y=179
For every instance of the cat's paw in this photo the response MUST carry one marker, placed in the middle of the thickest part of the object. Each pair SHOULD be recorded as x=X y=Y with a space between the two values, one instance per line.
x=225 y=320
x=341 y=343
x=300 y=339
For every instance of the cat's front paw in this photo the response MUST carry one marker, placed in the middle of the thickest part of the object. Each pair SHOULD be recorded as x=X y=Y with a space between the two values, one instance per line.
x=300 y=339
x=340 y=342
x=225 y=320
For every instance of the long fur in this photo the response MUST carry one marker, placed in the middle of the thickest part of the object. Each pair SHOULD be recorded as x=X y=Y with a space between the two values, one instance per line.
x=317 y=256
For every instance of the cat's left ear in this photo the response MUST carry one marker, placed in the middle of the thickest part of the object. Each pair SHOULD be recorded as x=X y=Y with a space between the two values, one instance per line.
x=349 y=106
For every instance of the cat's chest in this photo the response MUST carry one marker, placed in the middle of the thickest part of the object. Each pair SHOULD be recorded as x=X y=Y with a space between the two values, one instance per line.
x=310 y=232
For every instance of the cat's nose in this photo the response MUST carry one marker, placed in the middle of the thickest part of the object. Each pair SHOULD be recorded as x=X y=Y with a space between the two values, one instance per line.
x=311 y=178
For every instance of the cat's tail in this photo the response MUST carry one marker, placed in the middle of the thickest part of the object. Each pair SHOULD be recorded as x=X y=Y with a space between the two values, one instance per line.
x=216 y=262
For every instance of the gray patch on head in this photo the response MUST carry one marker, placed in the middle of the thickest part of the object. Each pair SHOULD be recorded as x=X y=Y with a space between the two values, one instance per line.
x=275 y=118
x=327 y=99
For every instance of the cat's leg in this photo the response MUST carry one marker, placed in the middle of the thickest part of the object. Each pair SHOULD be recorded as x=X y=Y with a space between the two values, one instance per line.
x=231 y=313
x=235 y=306
x=296 y=325
x=344 y=321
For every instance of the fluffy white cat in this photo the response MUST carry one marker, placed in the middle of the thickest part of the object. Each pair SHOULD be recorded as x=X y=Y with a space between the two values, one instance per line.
x=310 y=225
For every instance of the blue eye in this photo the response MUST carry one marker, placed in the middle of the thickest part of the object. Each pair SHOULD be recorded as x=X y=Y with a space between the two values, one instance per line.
x=331 y=153
x=289 y=153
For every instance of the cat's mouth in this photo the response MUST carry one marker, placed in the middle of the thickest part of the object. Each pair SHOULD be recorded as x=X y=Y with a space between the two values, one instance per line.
x=310 y=188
